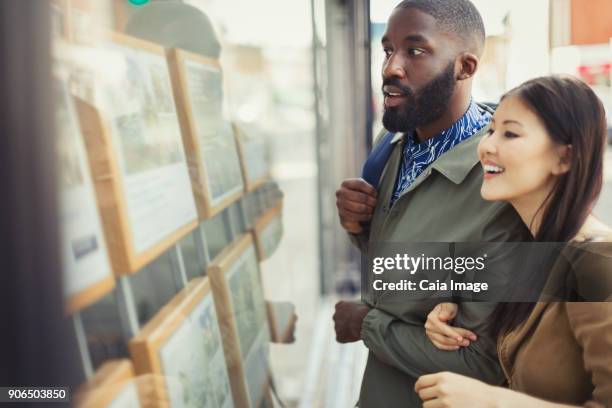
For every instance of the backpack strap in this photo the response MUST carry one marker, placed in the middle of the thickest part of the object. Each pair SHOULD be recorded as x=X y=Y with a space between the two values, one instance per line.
x=377 y=160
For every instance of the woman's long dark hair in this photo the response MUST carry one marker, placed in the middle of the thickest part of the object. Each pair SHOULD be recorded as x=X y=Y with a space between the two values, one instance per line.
x=573 y=116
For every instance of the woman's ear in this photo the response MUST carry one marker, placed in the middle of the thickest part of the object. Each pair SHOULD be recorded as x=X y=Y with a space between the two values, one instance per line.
x=565 y=160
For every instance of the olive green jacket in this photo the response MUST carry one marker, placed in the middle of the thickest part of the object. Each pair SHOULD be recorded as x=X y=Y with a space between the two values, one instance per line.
x=442 y=205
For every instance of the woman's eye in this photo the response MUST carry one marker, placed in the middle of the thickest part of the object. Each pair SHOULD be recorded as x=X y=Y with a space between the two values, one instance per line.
x=415 y=51
x=510 y=135
x=490 y=131
x=387 y=52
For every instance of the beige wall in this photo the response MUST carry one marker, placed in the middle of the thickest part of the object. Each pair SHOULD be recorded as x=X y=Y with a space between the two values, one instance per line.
x=591 y=21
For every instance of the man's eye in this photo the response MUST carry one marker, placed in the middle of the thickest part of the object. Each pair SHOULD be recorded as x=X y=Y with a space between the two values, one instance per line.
x=387 y=52
x=415 y=51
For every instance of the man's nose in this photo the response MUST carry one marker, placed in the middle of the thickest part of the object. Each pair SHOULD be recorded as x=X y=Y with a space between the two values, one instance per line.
x=393 y=68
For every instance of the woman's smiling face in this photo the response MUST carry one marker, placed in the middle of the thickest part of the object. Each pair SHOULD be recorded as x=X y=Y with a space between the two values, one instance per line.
x=519 y=158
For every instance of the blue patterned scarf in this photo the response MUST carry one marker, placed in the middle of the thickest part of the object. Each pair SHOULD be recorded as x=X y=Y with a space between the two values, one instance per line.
x=418 y=156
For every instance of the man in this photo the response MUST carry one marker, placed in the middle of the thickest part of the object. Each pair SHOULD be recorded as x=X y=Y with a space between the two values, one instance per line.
x=423 y=186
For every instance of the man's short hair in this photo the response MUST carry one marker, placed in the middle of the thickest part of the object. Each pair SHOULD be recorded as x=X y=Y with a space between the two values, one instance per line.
x=459 y=17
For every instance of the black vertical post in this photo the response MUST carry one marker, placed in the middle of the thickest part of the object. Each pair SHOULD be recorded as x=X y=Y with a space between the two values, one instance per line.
x=35 y=334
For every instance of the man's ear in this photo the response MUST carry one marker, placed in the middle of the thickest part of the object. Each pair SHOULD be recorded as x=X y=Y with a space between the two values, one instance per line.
x=468 y=64
x=565 y=160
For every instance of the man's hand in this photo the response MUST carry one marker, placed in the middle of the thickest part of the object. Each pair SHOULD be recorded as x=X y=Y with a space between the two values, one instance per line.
x=348 y=320
x=355 y=200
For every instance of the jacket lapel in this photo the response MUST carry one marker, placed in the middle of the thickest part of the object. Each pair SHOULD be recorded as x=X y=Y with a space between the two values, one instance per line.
x=387 y=186
x=455 y=164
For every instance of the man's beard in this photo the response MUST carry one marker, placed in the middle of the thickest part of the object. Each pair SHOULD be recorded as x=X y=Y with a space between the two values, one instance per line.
x=429 y=105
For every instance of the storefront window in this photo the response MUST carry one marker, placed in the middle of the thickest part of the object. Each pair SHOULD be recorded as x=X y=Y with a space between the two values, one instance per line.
x=192 y=140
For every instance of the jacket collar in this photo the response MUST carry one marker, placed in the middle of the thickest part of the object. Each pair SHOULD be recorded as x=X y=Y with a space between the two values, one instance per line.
x=397 y=137
x=457 y=163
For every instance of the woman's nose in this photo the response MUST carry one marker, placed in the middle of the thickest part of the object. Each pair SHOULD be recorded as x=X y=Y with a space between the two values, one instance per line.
x=487 y=145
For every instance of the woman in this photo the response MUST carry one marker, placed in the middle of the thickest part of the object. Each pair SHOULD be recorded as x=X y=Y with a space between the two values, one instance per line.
x=544 y=155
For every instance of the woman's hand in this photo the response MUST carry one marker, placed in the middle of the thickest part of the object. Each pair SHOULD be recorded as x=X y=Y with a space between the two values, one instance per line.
x=441 y=334
x=446 y=390
x=442 y=390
